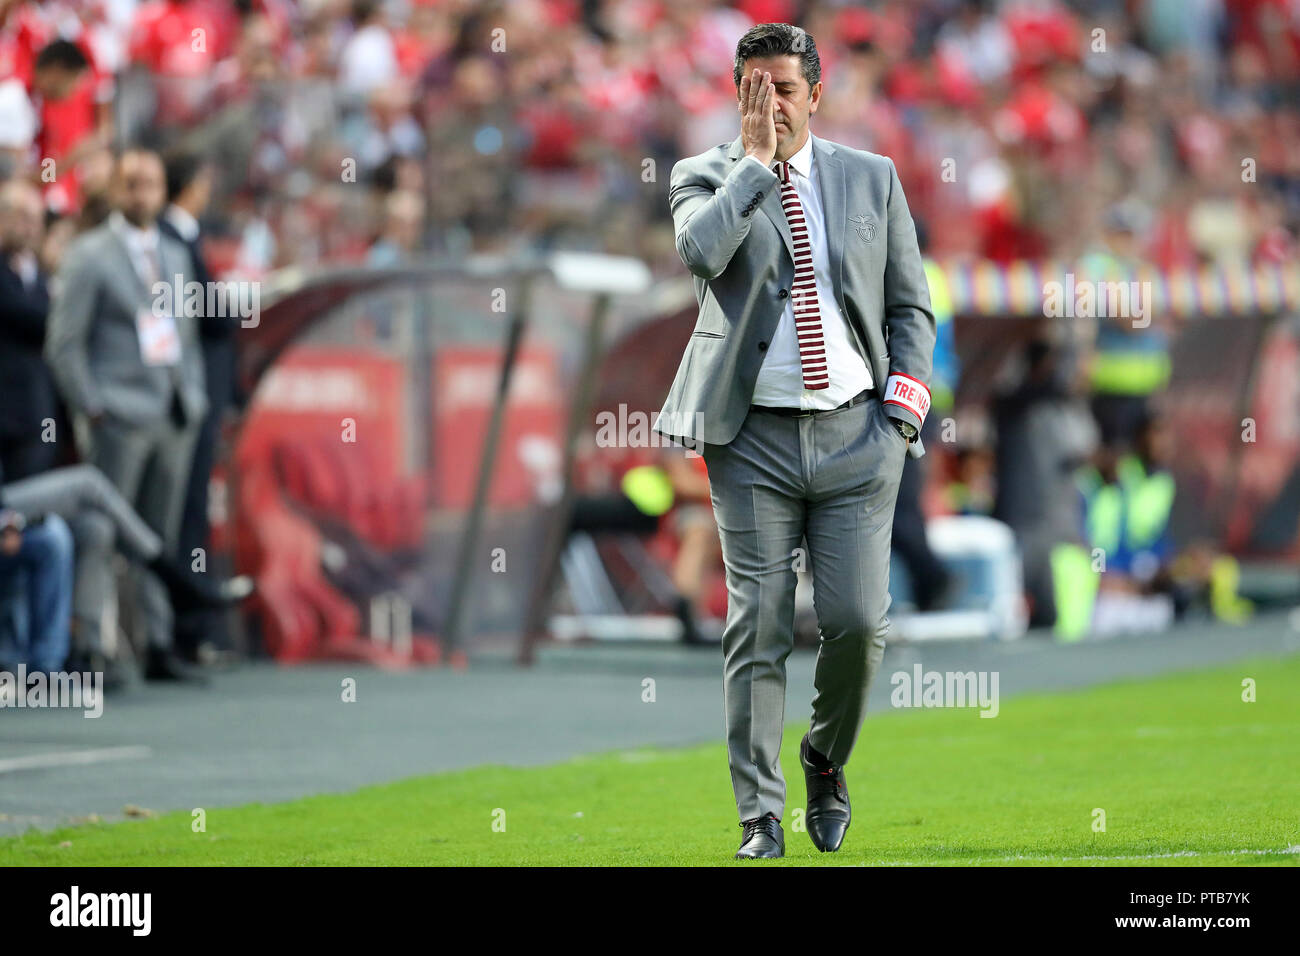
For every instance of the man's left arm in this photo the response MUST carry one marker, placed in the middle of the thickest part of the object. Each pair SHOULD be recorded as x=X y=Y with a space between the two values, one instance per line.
x=909 y=321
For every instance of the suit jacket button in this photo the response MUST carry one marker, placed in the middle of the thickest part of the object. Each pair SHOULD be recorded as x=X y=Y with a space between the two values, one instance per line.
x=782 y=294
x=762 y=346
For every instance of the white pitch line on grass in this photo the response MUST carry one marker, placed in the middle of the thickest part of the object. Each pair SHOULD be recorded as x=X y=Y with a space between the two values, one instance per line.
x=1021 y=858
x=73 y=758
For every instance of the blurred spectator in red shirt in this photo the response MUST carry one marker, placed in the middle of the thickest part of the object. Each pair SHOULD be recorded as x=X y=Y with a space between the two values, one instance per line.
x=53 y=122
x=179 y=42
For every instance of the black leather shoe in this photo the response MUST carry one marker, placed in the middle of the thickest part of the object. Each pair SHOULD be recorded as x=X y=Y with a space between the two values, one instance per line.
x=116 y=677
x=827 y=814
x=762 y=839
x=190 y=590
x=166 y=666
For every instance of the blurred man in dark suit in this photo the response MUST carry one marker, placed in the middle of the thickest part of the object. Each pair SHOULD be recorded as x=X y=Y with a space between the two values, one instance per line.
x=189 y=188
x=28 y=406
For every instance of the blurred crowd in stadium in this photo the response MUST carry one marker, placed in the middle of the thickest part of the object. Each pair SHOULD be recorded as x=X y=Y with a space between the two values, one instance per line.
x=327 y=131
x=543 y=113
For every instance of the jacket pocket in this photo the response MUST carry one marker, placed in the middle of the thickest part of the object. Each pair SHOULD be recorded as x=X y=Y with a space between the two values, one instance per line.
x=711 y=335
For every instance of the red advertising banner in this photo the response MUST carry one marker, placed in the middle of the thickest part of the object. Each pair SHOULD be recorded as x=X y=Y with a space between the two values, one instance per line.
x=464 y=393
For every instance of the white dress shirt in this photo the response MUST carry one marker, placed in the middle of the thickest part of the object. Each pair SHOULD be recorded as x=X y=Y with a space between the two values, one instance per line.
x=780 y=380
x=25 y=264
x=183 y=222
x=142 y=244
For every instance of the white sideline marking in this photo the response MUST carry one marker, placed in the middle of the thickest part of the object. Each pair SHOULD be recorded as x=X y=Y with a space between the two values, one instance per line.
x=1287 y=851
x=73 y=758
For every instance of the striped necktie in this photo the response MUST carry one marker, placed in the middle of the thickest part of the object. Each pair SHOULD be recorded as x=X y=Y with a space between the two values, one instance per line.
x=803 y=292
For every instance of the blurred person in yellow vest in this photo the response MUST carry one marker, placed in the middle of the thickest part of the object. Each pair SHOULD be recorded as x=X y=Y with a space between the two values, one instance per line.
x=947 y=367
x=1131 y=361
x=1199 y=577
x=675 y=487
x=1128 y=505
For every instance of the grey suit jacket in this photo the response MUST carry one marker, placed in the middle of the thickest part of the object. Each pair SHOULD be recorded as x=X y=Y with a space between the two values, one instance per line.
x=744 y=265
x=92 y=345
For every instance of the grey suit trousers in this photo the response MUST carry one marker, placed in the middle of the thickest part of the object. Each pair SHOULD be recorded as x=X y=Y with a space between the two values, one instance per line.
x=831 y=479
x=150 y=466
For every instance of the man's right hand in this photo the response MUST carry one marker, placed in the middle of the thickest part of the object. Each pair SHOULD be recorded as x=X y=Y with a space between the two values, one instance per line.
x=758 y=117
x=11 y=532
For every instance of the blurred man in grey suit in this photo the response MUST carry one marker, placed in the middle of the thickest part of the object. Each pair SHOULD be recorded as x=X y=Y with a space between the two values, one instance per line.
x=804 y=385
x=131 y=372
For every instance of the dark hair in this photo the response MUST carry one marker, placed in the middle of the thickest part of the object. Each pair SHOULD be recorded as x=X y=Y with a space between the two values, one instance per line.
x=363 y=10
x=183 y=167
x=63 y=54
x=138 y=150
x=779 y=39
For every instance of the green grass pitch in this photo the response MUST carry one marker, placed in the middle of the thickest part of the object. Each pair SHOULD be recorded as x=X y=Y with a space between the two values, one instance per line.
x=1185 y=771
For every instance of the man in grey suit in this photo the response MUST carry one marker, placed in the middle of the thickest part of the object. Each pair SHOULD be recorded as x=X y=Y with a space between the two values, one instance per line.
x=803 y=386
x=131 y=371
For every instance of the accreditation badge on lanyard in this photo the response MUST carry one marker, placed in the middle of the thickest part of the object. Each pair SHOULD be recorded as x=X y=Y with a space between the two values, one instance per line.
x=160 y=339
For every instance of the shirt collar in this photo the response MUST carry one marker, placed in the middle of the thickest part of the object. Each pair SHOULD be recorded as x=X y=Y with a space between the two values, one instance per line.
x=134 y=236
x=185 y=224
x=802 y=161
x=25 y=264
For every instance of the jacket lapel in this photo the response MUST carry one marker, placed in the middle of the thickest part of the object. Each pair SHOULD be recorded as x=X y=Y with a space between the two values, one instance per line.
x=771 y=204
x=133 y=291
x=774 y=211
x=830 y=175
x=171 y=268
x=834 y=189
